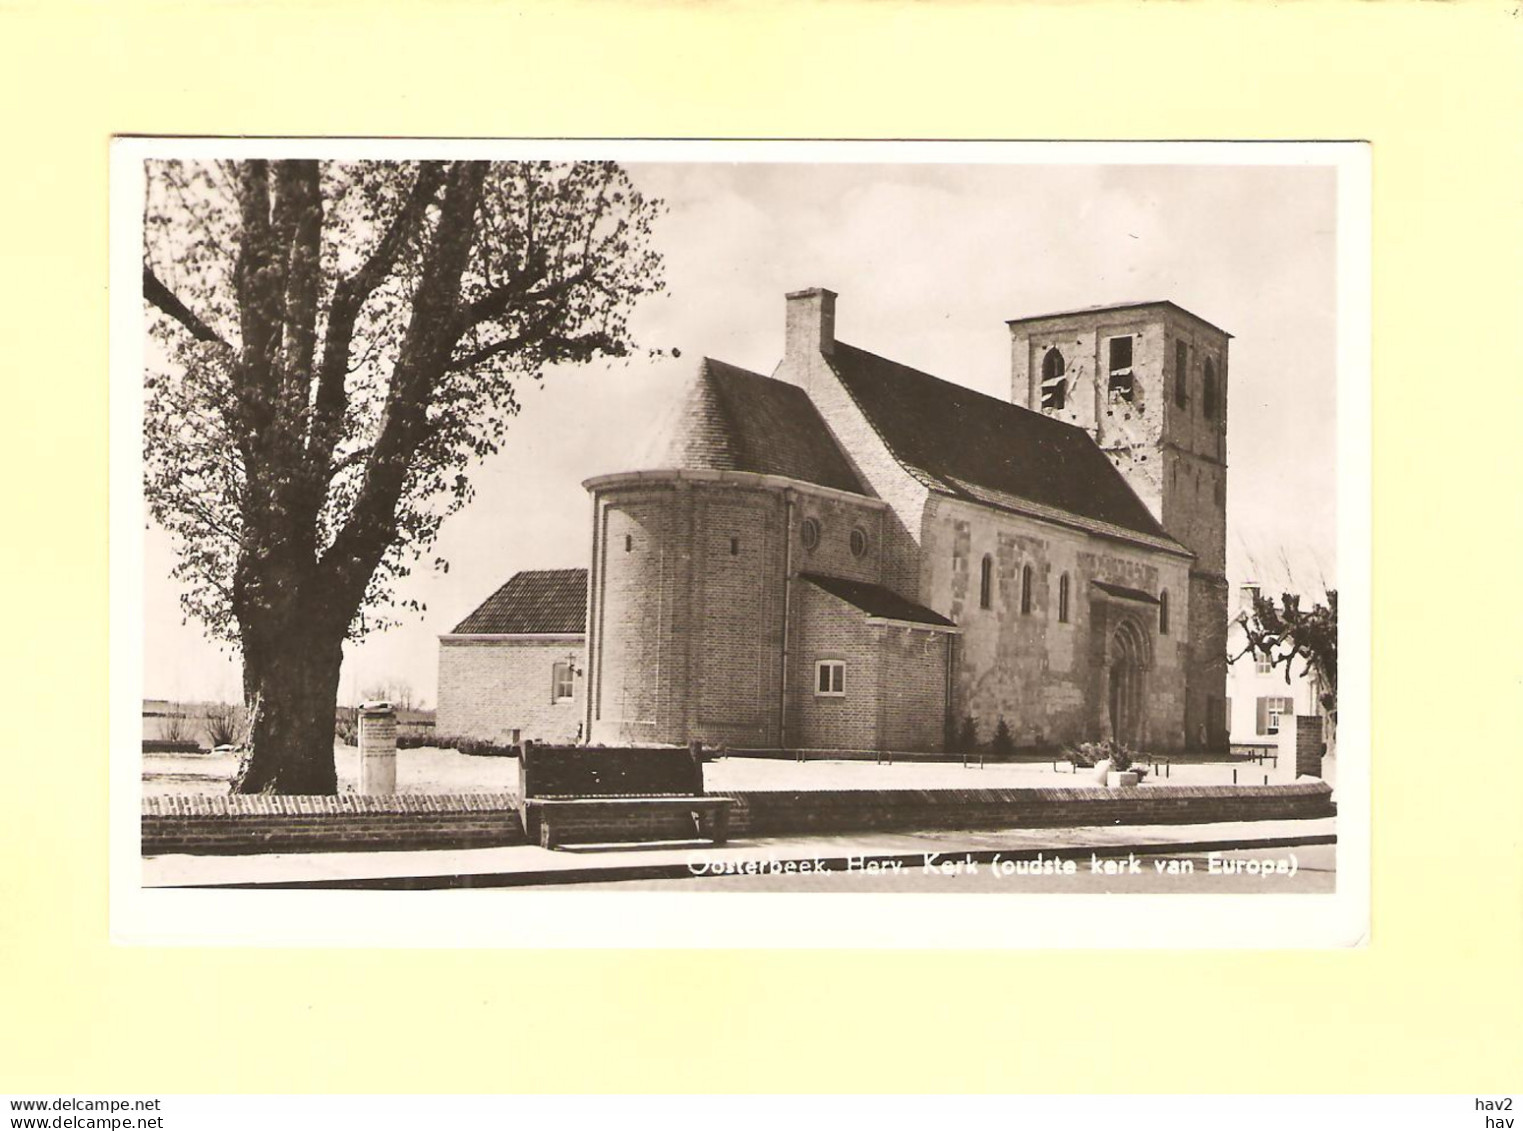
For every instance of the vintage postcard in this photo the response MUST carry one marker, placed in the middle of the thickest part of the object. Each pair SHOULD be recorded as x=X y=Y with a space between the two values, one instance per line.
x=633 y=543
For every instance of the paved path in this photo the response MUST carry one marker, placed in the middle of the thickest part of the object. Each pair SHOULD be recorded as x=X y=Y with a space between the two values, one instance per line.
x=529 y=865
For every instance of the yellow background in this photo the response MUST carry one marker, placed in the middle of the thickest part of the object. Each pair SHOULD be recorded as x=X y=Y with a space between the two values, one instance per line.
x=1435 y=1003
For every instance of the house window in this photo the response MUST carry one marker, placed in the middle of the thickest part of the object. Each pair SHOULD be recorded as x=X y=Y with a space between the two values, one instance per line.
x=1121 y=369
x=986 y=583
x=1272 y=712
x=809 y=533
x=1025 y=590
x=562 y=682
x=1262 y=664
x=1181 y=374
x=830 y=678
x=858 y=542
x=1054 y=383
x=1163 y=613
x=1246 y=597
x=734 y=547
x=1063 y=599
x=1208 y=392
x=629 y=542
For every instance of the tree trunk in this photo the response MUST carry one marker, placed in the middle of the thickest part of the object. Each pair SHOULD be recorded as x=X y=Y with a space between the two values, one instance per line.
x=290 y=685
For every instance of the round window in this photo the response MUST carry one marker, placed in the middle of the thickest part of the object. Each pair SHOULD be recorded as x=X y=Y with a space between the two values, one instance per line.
x=858 y=543
x=809 y=533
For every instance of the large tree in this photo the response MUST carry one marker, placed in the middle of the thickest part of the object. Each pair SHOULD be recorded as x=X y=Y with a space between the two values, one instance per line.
x=335 y=344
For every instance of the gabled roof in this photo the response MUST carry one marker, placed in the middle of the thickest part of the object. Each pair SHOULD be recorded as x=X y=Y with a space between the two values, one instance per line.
x=963 y=443
x=876 y=601
x=533 y=601
x=734 y=420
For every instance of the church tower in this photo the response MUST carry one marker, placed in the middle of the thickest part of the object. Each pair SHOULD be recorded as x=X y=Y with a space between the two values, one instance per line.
x=1149 y=382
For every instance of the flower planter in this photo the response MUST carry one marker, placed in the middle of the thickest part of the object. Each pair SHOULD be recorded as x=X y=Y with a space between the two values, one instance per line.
x=1119 y=778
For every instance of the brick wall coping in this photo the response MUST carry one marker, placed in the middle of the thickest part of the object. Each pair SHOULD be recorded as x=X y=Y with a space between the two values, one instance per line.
x=632 y=478
x=345 y=804
x=1081 y=794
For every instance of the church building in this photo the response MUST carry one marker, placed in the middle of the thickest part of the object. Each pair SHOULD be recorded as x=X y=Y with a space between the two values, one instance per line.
x=851 y=554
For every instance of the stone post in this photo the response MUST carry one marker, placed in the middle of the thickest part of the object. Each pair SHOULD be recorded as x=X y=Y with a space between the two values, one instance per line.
x=378 y=749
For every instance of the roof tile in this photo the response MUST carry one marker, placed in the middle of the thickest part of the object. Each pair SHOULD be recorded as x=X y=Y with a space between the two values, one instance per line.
x=734 y=420
x=964 y=443
x=875 y=600
x=532 y=601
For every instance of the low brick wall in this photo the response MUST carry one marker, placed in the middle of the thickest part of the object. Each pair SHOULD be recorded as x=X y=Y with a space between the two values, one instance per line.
x=259 y=823
x=349 y=822
x=788 y=812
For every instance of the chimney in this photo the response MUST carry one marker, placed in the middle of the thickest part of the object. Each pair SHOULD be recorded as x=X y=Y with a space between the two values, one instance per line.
x=811 y=327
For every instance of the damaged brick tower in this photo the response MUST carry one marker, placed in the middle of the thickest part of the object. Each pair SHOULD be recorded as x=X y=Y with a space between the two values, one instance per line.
x=1149 y=382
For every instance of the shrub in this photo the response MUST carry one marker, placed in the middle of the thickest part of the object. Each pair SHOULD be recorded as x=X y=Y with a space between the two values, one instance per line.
x=413 y=738
x=346 y=726
x=966 y=739
x=480 y=748
x=1002 y=742
x=170 y=746
x=224 y=725
x=1090 y=754
x=176 y=728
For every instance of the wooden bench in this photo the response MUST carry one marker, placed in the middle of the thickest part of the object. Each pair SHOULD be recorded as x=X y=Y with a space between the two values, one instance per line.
x=594 y=795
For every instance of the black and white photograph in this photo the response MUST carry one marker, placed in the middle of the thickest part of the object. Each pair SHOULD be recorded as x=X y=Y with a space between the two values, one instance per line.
x=852 y=526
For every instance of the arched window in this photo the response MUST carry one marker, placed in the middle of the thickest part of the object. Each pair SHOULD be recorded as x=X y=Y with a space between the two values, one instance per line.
x=1208 y=392
x=1063 y=599
x=1181 y=374
x=1054 y=383
x=986 y=583
x=1025 y=590
x=1163 y=612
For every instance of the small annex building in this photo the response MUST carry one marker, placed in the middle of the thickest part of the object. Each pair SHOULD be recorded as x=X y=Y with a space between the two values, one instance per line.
x=511 y=670
x=851 y=554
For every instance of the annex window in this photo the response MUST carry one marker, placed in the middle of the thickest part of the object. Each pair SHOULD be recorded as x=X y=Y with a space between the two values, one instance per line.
x=830 y=678
x=1120 y=369
x=562 y=682
x=629 y=542
x=1181 y=374
x=858 y=542
x=1063 y=599
x=1025 y=590
x=1163 y=613
x=1208 y=392
x=809 y=533
x=1054 y=381
x=986 y=583
x=734 y=547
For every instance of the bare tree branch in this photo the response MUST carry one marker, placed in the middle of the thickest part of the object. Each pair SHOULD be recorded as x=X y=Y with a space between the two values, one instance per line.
x=162 y=297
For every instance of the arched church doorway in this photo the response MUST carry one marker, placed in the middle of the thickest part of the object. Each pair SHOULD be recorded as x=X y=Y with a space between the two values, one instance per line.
x=1126 y=697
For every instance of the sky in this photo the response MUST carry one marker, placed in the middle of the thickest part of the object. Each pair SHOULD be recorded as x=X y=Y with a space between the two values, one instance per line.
x=929 y=261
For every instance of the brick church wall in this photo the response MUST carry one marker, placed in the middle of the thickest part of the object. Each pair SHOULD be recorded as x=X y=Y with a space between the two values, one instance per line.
x=490 y=688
